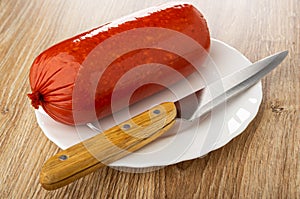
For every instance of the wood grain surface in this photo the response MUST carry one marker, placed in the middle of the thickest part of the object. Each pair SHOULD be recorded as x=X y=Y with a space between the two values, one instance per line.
x=263 y=162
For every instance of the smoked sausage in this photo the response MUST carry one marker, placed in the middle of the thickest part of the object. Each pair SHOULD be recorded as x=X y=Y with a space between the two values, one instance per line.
x=80 y=75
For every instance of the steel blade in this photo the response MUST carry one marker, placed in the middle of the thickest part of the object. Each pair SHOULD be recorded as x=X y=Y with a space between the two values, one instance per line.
x=223 y=89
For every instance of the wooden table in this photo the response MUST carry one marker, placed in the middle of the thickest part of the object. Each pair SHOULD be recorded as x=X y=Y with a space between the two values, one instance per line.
x=263 y=162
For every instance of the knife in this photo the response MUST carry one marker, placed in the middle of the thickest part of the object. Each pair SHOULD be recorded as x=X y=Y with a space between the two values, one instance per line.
x=121 y=140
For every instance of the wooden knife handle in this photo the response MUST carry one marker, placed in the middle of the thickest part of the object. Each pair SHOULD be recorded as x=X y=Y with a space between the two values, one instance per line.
x=107 y=147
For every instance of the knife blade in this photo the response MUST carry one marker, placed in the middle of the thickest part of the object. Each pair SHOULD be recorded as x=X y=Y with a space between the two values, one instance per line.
x=129 y=136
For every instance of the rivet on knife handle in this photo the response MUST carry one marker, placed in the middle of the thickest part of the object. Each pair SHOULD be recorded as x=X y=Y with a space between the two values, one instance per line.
x=107 y=147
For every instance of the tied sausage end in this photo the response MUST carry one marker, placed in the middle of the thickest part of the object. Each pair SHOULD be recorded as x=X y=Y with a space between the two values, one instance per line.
x=36 y=99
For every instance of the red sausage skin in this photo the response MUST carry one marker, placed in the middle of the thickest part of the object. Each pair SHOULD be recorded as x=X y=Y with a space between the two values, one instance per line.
x=59 y=70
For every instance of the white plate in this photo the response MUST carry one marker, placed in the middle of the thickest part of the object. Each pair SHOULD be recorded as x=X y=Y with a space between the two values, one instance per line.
x=193 y=139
